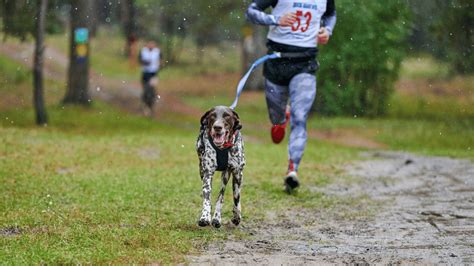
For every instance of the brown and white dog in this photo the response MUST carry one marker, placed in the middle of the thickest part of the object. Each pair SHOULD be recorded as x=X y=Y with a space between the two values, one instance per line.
x=220 y=148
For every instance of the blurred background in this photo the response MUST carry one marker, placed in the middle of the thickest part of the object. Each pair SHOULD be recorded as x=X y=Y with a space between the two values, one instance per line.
x=86 y=177
x=397 y=74
x=395 y=58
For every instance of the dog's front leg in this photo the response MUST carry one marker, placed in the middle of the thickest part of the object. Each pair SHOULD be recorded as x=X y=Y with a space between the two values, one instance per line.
x=236 y=184
x=216 y=221
x=205 y=219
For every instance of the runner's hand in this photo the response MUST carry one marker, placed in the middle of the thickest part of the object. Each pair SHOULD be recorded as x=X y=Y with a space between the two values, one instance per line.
x=287 y=20
x=323 y=36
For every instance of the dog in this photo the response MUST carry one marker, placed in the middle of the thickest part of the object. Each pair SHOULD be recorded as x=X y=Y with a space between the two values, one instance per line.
x=220 y=148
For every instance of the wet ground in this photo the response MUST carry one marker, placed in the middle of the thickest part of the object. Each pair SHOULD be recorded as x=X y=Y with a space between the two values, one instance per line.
x=416 y=210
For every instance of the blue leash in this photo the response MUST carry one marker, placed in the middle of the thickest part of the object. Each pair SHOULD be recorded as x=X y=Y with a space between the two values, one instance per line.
x=242 y=82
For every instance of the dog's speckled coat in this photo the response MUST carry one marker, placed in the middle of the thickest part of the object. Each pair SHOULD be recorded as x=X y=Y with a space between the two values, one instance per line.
x=229 y=120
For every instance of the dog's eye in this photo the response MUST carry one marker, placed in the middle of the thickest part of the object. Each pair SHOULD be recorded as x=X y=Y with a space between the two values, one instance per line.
x=226 y=115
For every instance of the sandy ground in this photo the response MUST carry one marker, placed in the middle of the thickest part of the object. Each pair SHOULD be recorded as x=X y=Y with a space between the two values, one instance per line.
x=421 y=211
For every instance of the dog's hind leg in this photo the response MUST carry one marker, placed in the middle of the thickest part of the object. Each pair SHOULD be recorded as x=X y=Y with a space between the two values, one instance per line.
x=216 y=221
x=236 y=184
x=205 y=219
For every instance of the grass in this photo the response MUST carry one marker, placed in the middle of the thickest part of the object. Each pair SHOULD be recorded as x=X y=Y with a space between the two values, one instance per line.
x=12 y=73
x=101 y=186
x=440 y=138
x=16 y=86
x=95 y=194
x=424 y=66
x=98 y=185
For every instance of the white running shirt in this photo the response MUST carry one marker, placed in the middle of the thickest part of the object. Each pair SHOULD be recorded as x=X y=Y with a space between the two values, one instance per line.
x=153 y=57
x=304 y=31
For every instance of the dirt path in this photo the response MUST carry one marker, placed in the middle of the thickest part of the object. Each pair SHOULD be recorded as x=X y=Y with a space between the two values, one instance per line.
x=423 y=212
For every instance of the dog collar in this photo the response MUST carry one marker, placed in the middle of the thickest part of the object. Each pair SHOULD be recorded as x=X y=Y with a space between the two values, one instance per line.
x=231 y=142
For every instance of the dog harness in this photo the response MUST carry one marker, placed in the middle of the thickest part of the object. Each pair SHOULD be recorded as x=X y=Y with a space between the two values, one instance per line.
x=222 y=155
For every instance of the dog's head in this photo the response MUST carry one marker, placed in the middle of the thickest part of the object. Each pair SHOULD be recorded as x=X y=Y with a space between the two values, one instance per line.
x=221 y=123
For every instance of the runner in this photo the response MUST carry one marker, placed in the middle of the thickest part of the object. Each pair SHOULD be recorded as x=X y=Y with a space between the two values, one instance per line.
x=296 y=26
x=150 y=61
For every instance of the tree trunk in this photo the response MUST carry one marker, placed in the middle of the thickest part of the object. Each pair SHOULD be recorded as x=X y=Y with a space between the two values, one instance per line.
x=128 y=20
x=253 y=48
x=38 y=99
x=78 y=74
x=94 y=18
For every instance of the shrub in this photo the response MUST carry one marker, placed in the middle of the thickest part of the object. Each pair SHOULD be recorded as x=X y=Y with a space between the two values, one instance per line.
x=362 y=60
x=454 y=32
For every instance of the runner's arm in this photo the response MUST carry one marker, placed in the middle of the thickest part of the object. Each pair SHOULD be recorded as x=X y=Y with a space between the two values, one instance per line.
x=256 y=12
x=329 y=17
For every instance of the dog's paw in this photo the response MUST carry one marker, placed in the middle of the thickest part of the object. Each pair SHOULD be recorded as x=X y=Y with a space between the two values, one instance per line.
x=236 y=220
x=216 y=223
x=203 y=222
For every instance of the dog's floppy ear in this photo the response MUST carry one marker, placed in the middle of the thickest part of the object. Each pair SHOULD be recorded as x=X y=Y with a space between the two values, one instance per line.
x=204 y=118
x=237 y=125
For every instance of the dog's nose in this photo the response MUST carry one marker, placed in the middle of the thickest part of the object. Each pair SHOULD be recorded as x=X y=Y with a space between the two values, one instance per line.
x=217 y=128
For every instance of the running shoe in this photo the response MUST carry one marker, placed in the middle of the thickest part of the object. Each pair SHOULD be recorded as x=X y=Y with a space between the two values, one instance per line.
x=291 y=182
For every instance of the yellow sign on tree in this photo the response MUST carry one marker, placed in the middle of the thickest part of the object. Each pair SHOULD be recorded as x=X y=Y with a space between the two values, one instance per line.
x=81 y=50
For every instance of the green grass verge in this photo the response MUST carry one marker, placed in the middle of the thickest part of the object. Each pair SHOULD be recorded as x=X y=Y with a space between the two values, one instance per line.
x=12 y=74
x=101 y=186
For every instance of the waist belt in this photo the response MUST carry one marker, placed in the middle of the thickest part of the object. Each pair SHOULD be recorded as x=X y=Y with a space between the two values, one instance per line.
x=294 y=54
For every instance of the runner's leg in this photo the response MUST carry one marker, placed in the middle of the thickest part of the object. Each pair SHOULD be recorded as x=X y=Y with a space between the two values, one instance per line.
x=277 y=99
x=302 y=94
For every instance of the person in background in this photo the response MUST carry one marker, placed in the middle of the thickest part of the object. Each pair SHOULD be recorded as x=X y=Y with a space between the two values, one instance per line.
x=296 y=27
x=149 y=59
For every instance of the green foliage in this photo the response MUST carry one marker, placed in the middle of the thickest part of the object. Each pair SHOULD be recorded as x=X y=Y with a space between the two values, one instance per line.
x=362 y=60
x=18 y=17
x=205 y=22
x=454 y=31
x=424 y=13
